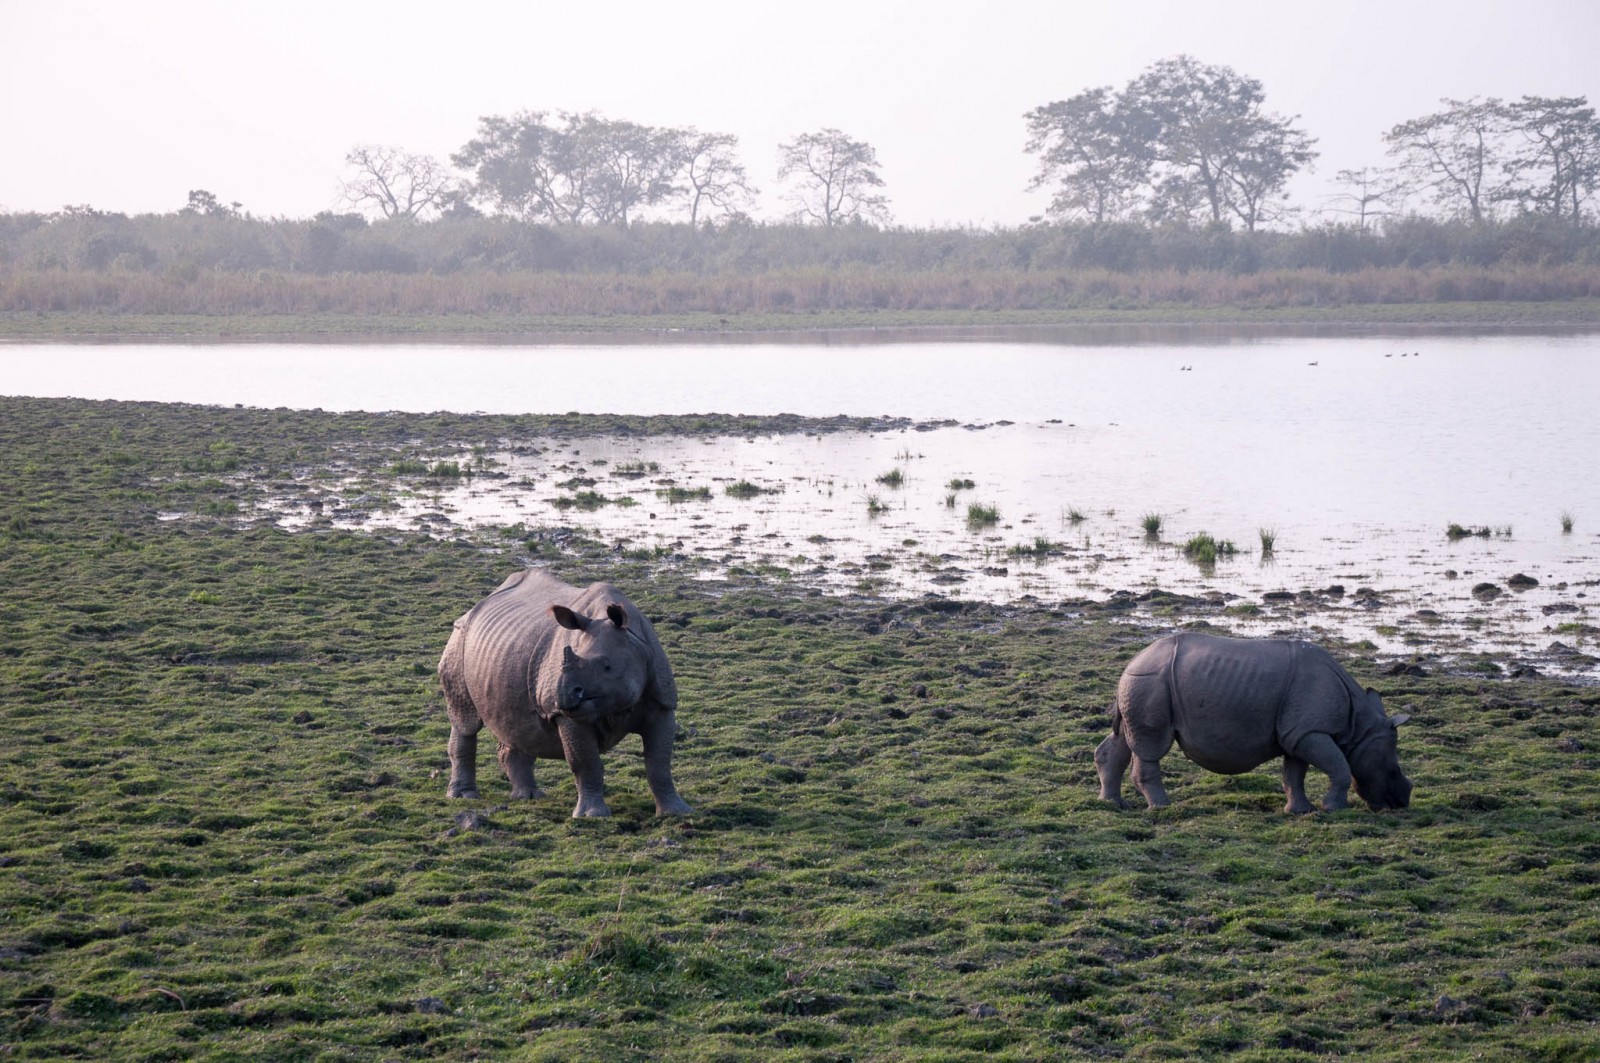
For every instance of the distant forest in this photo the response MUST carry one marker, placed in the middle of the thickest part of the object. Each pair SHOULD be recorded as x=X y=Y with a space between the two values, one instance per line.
x=1176 y=177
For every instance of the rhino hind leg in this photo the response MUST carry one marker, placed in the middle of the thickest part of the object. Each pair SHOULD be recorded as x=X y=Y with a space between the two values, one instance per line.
x=1294 y=785
x=465 y=723
x=1111 y=759
x=518 y=767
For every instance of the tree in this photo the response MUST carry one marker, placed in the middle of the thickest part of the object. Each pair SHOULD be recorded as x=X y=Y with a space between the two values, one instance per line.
x=1454 y=154
x=836 y=178
x=205 y=203
x=1370 y=188
x=398 y=184
x=1204 y=131
x=1083 y=150
x=714 y=177
x=582 y=167
x=1559 y=164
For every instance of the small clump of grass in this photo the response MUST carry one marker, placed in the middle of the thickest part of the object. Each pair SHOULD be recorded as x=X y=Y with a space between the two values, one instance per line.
x=1074 y=515
x=1202 y=549
x=445 y=470
x=1038 y=549
x=632 y=470
x=1269 y=539
x=684 y=494
x=1456 y=532
x=959 y=484
x=746 y=489
x=1566 y=522
x=982 y=516
x=1151 y=523
x=583 y=500
x=409 y=467
x=950 y=500
x=875 y=505
x=893 y=478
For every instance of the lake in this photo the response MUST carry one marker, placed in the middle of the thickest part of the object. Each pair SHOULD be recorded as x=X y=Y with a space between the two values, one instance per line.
x=1356 y=451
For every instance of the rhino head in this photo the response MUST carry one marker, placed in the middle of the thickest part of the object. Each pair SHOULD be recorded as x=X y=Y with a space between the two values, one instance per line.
x=604 y=668
x=1375 y=761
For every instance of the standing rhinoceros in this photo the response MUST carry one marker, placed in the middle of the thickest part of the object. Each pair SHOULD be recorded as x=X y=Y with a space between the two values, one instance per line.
x=1233 y=704
x=559 y=673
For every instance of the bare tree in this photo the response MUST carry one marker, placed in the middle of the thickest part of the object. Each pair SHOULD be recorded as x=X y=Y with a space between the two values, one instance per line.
x=836 y=178
x=1372 y=193
x=715 y=177
x=1454 y=154
x=397 y=183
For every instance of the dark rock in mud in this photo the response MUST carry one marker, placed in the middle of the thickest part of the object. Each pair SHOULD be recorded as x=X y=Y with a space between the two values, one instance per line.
x=1333 y=590
x=1559 y=607
x=1521 y=582
x=1278 y=596
x=1486 y=592
x=1405 y=668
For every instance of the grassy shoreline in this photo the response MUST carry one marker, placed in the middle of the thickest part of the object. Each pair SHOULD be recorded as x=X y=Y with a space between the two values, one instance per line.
x=224 y=836
x=71 y=326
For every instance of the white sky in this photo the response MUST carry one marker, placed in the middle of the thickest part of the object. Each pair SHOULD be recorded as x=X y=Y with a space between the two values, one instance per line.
x=128 y=104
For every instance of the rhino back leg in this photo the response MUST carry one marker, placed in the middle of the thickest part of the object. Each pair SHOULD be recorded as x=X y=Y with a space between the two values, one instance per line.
x=518 y=767
x=1111 y=758
x=1146 y=711
x=465 y=723
x=658 y=734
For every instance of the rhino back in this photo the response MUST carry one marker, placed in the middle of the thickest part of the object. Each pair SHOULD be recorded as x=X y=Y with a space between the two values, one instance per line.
x=1227 y=694
x=503 y=637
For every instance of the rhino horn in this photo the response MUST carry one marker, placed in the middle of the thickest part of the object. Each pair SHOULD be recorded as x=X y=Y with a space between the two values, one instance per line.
x=568 y=619
x=618 y=615
x=569 y=660
x=1396 y=721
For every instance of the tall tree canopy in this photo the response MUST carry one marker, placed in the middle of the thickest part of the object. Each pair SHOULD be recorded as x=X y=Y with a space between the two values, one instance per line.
x=1184 y=141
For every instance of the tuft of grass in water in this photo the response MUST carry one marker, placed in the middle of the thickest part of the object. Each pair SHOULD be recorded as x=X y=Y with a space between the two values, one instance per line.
x=875 y=505
x=1151 y=523
x=1074 y=515
x=959 y=484
x=1456 y=532
x=1204 y=550
x=684 y=494
x=1566 y=522
x=445 y=470
x=893 y=478
x=981 y=516
x=583 y=500
x=632 y=470
x=409 y=467
x=1269 y=539
x=746 y=489
x=1040 y=548
x=950 y=500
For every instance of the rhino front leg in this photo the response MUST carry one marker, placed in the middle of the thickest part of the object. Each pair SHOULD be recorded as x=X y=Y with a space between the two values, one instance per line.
x=518 y=767
x=582 y=751
x=658 y=737
x=1294 y=785
x=1111 y=759
x=1321 y=751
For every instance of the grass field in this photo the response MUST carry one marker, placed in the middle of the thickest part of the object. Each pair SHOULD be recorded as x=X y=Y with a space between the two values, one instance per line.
x=224 y=835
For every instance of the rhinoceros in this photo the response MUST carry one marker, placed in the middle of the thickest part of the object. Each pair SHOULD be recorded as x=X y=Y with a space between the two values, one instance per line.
x=1234 y=704
x=559 y=673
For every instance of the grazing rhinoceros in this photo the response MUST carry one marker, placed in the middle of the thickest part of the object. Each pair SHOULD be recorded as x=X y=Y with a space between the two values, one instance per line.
x=559 y=673
x=1233 y=704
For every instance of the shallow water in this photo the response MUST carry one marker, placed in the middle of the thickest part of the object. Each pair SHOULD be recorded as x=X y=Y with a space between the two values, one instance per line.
x=1357 y=451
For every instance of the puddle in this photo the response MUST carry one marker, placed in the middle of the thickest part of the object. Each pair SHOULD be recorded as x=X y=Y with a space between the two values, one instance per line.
x=827 y=511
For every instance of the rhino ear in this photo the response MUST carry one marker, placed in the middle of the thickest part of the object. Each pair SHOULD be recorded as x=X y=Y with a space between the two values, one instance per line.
x=618 y=615
x=568 y=619
x=1396 y=721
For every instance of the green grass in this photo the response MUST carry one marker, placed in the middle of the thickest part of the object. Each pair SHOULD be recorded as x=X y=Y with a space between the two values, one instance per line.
x=1202 y=549
x=958 y=484
x=1457 y=531
x=1566 y=522
x=1151 y=523
x=684 y=494
x=224 y=835
x=894 y=478
x=1269 y=539
x=746 y=489
x=982 y=516
x=1038 y=550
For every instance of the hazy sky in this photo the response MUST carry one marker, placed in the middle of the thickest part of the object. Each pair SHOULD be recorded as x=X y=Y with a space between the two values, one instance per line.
x=128 y=104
